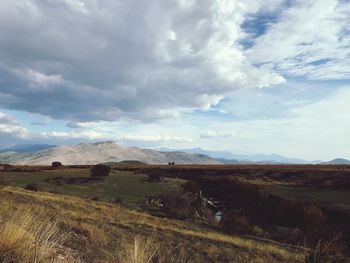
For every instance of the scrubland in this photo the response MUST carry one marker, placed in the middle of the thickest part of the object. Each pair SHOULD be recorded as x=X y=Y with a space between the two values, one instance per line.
x=46 y=227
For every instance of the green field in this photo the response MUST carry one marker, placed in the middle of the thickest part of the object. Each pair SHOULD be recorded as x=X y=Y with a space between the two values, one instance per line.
x=329 y=197
x=132 y=189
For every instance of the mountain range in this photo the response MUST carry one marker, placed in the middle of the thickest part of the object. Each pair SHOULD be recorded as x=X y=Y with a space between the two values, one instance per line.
x=338 y=161
x=102 y=152
x=229 y=157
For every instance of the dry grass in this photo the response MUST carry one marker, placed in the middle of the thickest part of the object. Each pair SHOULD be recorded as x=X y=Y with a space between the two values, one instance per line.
x=104 y=231
x=141 y=250
x=97 y=234
x=27 y=235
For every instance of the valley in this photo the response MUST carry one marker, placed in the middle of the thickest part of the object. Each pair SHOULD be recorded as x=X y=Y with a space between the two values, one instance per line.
x=274 y=206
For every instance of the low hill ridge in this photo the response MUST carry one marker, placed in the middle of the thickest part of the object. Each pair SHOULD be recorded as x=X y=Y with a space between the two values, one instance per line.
x=101 y=152
x=338 y=161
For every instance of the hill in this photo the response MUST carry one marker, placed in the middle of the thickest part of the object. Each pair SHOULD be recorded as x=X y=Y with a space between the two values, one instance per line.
x=229 y=157
x=70 y=229
x=25 y=148
x=101 y=152
x=338 y=161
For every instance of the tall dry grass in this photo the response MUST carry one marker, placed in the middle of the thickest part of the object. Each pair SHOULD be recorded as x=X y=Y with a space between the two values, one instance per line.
x=142 y=249
x=106 y=232
x=28 y=236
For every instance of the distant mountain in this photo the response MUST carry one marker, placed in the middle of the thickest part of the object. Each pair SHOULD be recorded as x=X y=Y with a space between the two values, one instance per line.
x=337 y=161
x=25 y=148
x=101 y=152
x=229 y=157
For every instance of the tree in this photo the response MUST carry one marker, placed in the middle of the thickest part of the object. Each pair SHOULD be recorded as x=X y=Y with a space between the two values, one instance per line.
x=56 y=164
x=32 y=187
x=154 y=178
x=192 y=187
x=100 y=170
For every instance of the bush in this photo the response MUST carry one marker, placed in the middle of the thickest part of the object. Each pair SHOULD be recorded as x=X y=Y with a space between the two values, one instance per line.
x=234 y=222
x=177 y=204
x=191 y=187
x=313 y=222
x=32 y=187
x=154 y=178
x=56 y=164
x=118 y=201
x=7 y=167
x=330 y=250
x=100 y=170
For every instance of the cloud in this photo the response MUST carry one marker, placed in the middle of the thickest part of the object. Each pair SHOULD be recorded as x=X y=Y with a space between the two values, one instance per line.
x=310 y=39
x=212 y=134
x=77 y=125
x=317 y=130
x=10 y=128
x=108 y=60
x=96 y=135
x=7 y=119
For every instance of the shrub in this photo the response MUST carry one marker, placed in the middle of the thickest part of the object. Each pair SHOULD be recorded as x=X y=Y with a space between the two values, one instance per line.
x=154 y=178
x=330 y=250
x=56 y=164
x=177 y=204
x=191 y=187
x=100 y=170
x=7 y=167
x=118 y=201
x=313 y=222
x=32 y=187
x=234 y=222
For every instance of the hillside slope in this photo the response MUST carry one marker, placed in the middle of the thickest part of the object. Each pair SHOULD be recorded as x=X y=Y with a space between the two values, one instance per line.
x=337 y=161
x=92 y=153
x=104 y=232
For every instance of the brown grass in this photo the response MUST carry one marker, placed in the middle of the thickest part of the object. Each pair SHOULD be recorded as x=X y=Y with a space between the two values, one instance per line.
x=27 y=235
x=105 y=231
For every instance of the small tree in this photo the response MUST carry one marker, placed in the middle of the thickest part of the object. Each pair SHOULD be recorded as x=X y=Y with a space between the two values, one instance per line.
x=32 y=187
x=100 y=170
x=191 y=187
x=234 y=222
x=7 y=167
x=154 y=178
x=177 y=204
x=56 y=164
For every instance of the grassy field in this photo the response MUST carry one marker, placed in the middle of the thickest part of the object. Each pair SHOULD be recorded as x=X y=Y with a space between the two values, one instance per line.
x=131 y=188
x=338 y=198
x=101 y=230
x=92 y=231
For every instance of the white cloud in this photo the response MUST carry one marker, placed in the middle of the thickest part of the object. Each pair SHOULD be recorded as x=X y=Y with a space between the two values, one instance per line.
x=309 y=40
x=111 y=68
x=213 y=134
x=9 y=127
x=106 y=60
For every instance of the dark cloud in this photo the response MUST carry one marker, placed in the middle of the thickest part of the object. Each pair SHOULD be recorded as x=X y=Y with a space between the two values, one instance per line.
x=105 y=60
x=7 y=119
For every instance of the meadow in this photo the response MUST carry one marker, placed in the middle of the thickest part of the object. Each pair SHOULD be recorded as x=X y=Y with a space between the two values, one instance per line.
x=45 y=227
x=122 y=186
x=105 y=220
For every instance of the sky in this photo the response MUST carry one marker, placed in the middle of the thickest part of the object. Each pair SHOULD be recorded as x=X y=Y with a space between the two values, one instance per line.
x=248 y=76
